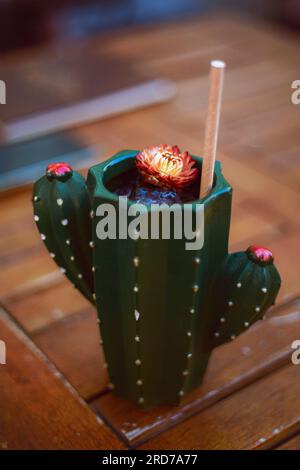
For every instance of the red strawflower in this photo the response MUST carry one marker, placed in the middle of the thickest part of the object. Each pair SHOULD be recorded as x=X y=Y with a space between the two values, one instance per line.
x=165 y=166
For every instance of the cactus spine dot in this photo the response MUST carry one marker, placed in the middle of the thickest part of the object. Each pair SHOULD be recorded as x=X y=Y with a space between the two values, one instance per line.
x=59 y=201
x=138 y=362
x=185 y=372
x=135 y=289
x=189 y=355
x=195 y=288
x=91 y=244
x=181 y=393
x=222 y=320
x=139 y=382
x=93 y=269
x=257 y=309
x=136 y=261
x=192 y=310
x=64 y=222
x=137 y=339
x=230 y=303
x=68 y=242
x=197 y=260
x=43 y=237
x=264 y=290
x=232 y=337
x=52 y=255
x=36 y=218
x=189 y=333
x=239 y=284
x=136 y=314
x=246 y=324
x=79 y=276
x=141 y=400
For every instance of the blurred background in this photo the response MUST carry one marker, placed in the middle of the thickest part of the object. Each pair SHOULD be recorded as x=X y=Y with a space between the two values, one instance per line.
x=59 y=71
x=27 y=22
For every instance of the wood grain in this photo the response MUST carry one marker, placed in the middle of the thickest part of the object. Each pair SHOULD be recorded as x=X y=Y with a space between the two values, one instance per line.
x=259 y=351
x=73 y=345
x=38 y=409
x=259 y=416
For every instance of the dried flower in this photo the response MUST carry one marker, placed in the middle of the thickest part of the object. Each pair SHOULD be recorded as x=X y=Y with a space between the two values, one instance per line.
x=166 y=167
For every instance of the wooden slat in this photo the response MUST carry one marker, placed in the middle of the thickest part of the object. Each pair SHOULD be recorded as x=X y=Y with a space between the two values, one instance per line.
x=73 y=345
x=38 y=409
x=259 y=416
x=263 y=348
x=291 y=444
x=38 y=309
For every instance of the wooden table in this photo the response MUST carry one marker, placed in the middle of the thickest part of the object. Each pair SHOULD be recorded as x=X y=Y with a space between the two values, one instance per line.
x=53 y=389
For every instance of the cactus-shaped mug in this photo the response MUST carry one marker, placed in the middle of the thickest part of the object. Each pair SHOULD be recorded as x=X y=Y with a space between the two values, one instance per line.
x=162 y=308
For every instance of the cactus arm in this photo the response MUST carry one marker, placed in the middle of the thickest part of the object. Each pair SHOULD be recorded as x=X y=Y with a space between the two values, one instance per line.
x=243 y=290
x=62 y=215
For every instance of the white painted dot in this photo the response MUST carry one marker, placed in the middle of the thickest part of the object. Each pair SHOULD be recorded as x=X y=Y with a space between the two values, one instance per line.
x=222 y=320
x=79 y=276
x=217 y=334
x=43 y=237
x=197 y=260
x=138 y=362
x=246 y=324
x=63 y=270
x=135 y=289
x=181 y=393
x=239 y=284
x=192 y=310
x=141 y=400
x=195 y=288
x=93 y=269
x=230 y=303
x=257 y=309
x=232 y=337
x=52 y=255
x=59 y=201
x=64 y=222
x=264 y=290
x=72 y=258
x=185 y=372
x=91 y=244
x=35 y=198
x=189 y=355
x=189 y=333
x=136 y=314
x=139 y=382
x=137 y=339
x=67 y=242
x=36 y=218
x=136 y=261
x=105 y=365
